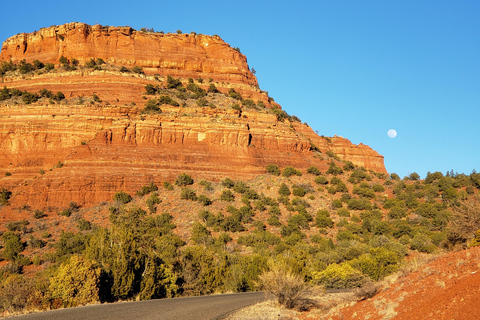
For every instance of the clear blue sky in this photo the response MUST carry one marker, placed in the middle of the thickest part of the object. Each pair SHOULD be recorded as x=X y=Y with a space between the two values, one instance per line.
x=351 y=68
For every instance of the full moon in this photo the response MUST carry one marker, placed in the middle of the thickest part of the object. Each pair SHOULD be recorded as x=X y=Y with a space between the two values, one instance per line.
x=392 y=133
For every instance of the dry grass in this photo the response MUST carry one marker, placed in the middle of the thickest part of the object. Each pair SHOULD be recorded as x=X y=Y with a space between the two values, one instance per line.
x=288 y=287
x=367 y=291
x=272 y=310
x=416 y=263
x=269 y=310
x=320 y=305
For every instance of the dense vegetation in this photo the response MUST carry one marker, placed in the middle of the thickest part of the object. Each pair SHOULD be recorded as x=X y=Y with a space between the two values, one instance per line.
x=335 y=229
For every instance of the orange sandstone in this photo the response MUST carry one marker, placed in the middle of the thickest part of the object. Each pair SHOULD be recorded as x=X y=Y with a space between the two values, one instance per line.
x=111 y=147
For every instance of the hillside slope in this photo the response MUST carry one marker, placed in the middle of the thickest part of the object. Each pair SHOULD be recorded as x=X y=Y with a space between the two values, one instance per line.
x=445 y=288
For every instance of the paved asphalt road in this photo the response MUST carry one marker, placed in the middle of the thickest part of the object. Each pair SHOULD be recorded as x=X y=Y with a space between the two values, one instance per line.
x=198 y=308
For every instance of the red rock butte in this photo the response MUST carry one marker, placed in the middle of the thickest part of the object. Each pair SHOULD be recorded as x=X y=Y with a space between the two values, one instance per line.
x=111 y=146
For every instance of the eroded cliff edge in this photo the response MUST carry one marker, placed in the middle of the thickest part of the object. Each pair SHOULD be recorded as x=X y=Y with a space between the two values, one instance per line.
x=67 y=151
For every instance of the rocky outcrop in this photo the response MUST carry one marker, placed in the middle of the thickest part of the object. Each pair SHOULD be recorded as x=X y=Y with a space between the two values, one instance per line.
x=178 y=55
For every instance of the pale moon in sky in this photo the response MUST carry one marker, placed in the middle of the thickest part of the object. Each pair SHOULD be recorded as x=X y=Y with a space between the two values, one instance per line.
x=392 y=133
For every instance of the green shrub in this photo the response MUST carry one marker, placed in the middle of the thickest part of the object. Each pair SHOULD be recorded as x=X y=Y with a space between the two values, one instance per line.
x=227 y=195
x=173 y=83
x=206 y=184
x=378 y=188
x=122 y=197
x=337 y=204
x=397 y=213
x=394 y=176
x=378 y=263
x=137 y=70
x=334 y=169
x=233 y=94
x=364 y=191
x=63 y=60
x=284 y=190
x=341 y=187
x=5 y=195
x=76 y=282
x=198 y=92
x=204 y=200
x=339 y=276
x=5 y=94
x=25 y=67
x=349 y=166
x=273 y=169
x=12 y=245
x=152 y=106
x=323 y=220
x=414 y=176
x=298 y=191
x=475 y=179
x=422 y=243
x=168 y=100
x=273 y=221
x=150 y=89
x=28 y=97
x=44 y=93
x=83 y=225
x=167 y=185
x=147 y=189
x=249 y=103
x=313 y=170
x=240 y=187
x=289 y=171
x=212 y=88
x=321 y=180
x=342 y=212
x=298 y=221
x=250 y=195
x=202 y=102
x=37 y=260
x=38 y=214
x=188 y=194
x=280 y=114
x=358 y=204
x=90 y=63
x=65 y=212
x=331 y=190
x=227 y=182
x=15 y=92
x=60 y=96
x=183 y=180
x=237 y=107
x=438 y=237
x=152 y=201
x=49 y=66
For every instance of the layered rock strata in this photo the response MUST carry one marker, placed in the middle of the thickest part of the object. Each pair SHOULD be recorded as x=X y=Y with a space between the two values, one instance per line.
x=178 y=55
x=104 y=149
x=52 y=154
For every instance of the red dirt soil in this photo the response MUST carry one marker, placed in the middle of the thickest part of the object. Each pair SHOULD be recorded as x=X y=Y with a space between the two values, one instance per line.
x=446 y=288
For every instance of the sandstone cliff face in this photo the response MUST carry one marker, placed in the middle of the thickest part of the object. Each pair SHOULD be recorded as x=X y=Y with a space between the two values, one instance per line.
x=58 y=153
x=106 y=149
x=178 y=55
